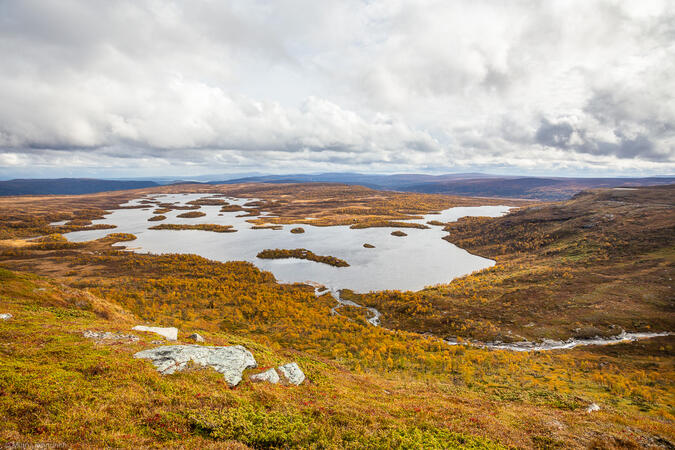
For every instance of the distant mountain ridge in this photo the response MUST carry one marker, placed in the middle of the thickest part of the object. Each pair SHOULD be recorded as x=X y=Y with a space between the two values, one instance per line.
x=468 y=184
x=68 y=186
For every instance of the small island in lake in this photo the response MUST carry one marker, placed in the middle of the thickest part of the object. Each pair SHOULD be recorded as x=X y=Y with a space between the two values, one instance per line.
x=302 y=253
x=398 y=233
x=297 y=230
x=202 y=227
x=191 y=214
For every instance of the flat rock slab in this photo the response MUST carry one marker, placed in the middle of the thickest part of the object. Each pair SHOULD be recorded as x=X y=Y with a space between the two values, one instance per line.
x=109 y=336
x=230 y=361
x=170 y=333
x=5 y=316
x=292 y=373
x=271 y=376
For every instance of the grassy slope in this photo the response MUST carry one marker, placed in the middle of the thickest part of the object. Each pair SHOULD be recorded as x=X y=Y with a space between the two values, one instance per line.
x=57 y=386
x=416 y=391
x=600 y=262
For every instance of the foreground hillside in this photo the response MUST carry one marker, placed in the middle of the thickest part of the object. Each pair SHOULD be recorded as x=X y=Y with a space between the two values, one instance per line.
x=366 y=387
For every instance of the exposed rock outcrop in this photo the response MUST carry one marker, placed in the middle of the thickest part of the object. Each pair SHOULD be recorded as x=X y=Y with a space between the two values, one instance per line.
x=292 y=374
x=271 y=376
x=230 y=361
x=170 y=333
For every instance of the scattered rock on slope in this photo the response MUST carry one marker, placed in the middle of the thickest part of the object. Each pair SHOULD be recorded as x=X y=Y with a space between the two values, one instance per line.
x=592 y=407
x=230 y=361
x=271 y=376
x=196 y=337
x=292 y=373
x=5 y=316
x=170 y=333
x=108 y=336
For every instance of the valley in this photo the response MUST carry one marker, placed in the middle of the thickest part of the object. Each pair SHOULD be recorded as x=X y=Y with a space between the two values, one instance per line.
x=563 y=270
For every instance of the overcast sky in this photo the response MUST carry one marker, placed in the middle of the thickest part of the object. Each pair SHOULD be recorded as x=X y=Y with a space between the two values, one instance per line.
x=129 y=88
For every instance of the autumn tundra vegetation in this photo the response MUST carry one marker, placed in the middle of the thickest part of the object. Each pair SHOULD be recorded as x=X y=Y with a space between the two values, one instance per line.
x=201 y=227
x=598 y=263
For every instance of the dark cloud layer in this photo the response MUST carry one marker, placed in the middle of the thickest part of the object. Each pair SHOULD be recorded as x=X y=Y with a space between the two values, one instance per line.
x=397 y=85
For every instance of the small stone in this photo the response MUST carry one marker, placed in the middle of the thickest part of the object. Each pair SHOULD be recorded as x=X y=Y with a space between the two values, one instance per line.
x=196 y=337
x=230 y=361
x=292 y=373
x=271 y=376
x=108 y=336
x=5 y=316
x=592 y=407
x=170 y=333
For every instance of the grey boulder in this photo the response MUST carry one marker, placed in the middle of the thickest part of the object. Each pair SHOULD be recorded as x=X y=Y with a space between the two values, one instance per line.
x=292 y=373
x=230 y=361
x=270 y=376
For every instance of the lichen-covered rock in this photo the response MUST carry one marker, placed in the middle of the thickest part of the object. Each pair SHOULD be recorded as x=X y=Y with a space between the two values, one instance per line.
x=109 y=336
x=5 y=316
x=271 y=376
x=230 y=361
x=196 y=337
x=170 y=333
x=292 y=373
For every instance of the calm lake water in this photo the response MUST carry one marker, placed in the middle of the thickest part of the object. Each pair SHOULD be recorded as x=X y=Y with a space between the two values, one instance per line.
x=407 y=263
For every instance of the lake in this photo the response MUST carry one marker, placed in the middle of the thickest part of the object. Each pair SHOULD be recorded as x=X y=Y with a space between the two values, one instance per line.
x=412 y=262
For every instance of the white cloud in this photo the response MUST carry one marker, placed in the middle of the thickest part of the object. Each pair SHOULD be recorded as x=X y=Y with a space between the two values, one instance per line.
x=297 y=85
